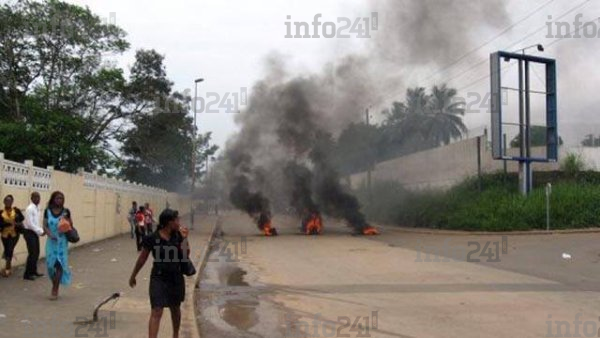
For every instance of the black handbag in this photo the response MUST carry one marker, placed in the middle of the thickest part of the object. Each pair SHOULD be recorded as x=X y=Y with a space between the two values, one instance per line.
x=72 y=235
x=188 y=268
x=186 y=264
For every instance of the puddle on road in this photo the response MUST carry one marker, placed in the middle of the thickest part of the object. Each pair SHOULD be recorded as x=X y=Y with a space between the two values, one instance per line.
x=239 y=313
x=230 y=305
x=236 y=277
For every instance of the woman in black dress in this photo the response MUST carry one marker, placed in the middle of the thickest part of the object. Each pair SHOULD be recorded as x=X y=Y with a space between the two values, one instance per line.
x=168 y=245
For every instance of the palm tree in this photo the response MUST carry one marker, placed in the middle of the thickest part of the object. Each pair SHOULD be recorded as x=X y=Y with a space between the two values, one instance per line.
x=425 y=121
x=401 y=128
x=443 y=122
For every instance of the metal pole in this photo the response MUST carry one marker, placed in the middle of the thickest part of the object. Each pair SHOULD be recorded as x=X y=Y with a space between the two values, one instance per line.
x=370 y=164
x=548 y=192
x=479 y=163
x=504 y=152
x=522 y=163
x=529 y=177
x=193 y=186
x=194 y=149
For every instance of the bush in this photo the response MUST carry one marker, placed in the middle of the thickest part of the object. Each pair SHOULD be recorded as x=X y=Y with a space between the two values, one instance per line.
x=572 y=164
x=575 y=203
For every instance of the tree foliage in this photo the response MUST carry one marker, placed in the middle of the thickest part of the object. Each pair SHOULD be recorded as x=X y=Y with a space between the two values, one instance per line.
x=63 y=104
x=538 y=138
x=423 y=121
x=591 y=141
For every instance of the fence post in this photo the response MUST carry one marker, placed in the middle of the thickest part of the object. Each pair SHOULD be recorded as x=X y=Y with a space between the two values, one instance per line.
x=505 y=164
x=479 y=163
x=1 y=171
x=50 y=169
x=1 y=167
x=29 y=184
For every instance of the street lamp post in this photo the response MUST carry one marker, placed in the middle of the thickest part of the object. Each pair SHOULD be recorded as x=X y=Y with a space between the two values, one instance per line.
x=370 y=168
x=194 y=150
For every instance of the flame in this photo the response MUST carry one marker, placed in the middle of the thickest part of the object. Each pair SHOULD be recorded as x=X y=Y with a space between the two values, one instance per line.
x=265 y=224
x=314 y=226
x=370 y=231
x=267 y=229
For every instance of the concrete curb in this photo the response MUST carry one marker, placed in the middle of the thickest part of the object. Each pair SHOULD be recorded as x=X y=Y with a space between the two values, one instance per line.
x=189 y=323
x=486 y=233
x=206 y=251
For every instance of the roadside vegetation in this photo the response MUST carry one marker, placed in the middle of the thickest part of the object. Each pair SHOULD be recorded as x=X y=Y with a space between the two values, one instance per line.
x=575 y=203
x=66 y=102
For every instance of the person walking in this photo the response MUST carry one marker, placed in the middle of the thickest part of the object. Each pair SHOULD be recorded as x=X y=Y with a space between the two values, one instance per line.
x=149 y=218
x=32 y=232
x=57 y=253
x=131 y=218
x=12 y=223
x=140 y=227
x=167 y=286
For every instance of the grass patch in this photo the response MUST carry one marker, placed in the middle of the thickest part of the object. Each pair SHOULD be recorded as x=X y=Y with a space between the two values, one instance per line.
x=575 y=203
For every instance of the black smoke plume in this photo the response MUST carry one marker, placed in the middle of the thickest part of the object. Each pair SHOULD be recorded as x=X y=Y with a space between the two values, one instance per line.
x=282 y=155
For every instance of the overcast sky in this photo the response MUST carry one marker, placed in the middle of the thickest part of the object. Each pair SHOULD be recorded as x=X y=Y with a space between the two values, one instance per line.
x=226 y=41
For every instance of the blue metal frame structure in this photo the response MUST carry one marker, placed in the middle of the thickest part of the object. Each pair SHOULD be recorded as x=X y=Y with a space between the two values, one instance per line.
x=552 y=141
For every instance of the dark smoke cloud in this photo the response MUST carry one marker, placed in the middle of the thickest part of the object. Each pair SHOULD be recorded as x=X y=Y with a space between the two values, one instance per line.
x=281 y=156
x=299 y=179
x=284 y=147
x=420 y=32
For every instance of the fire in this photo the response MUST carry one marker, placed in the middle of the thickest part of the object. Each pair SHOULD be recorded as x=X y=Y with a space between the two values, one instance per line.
x=268 y=230
x=370 y=231
x=265 y=224
x=314 y=225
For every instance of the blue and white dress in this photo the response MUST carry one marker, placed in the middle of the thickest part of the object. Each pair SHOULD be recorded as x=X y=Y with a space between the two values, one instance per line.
x=57 y=250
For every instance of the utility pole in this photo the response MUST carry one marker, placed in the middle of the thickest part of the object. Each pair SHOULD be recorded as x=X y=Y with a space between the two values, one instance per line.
x=370 y=164
x=194 y=150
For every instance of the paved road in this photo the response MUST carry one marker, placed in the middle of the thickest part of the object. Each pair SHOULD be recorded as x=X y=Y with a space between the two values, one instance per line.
x=99 y=270
x=346 y=286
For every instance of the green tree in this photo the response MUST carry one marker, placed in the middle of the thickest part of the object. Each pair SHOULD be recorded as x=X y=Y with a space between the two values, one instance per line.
x=538 y=138
x=51 y=47
x=443 y=119
x=158 y=150
x=55 y=92
x=52 y=138
x=424 y=121
x=591 y=141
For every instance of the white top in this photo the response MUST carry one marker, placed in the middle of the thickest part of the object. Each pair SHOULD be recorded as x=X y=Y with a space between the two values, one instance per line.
x=33 y=220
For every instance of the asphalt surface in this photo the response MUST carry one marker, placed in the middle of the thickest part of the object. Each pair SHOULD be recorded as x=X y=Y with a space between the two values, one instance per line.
x=347 y=286
x=99 y=270
x=533 y=255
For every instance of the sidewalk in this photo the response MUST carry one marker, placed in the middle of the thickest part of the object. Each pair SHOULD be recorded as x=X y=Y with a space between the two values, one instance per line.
x=99 y=270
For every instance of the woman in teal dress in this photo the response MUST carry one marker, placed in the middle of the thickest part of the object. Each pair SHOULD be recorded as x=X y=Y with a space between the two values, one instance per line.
x=57 y=253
